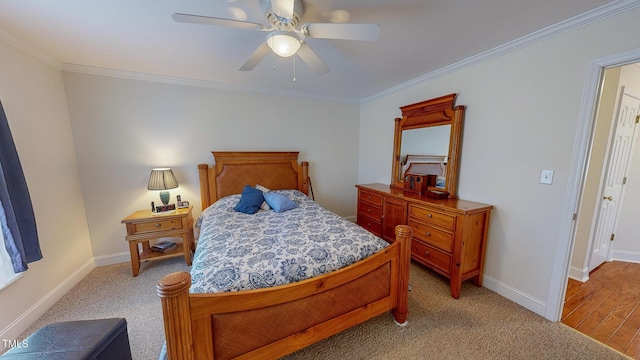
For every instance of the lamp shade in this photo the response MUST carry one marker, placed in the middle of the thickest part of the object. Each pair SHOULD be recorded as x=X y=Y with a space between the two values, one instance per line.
x=162 y=179
x=283 y=43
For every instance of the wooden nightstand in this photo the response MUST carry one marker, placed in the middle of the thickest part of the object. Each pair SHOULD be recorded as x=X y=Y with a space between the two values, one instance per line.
x=143 y=226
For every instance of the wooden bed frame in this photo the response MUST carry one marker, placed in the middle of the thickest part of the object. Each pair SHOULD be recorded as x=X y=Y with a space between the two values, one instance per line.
x=272 y=322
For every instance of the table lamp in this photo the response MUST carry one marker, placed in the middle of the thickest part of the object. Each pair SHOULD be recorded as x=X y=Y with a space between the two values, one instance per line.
x=162 y=179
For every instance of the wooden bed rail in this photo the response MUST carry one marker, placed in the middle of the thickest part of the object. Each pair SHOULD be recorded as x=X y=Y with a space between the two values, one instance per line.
x=188 y=318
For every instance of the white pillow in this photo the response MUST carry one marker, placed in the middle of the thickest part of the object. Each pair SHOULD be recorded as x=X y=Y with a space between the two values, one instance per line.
x=264 y=205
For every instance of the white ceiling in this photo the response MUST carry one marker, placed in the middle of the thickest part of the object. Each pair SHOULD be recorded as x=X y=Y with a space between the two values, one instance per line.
x=417 y=38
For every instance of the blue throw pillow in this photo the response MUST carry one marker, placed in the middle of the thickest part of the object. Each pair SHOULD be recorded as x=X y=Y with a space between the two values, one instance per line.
x=250 y=200
x=279 y=202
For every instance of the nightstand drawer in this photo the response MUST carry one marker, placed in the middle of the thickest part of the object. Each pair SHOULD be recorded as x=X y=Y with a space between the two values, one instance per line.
x=160 y=225
x=432 y=236
x=434 y=217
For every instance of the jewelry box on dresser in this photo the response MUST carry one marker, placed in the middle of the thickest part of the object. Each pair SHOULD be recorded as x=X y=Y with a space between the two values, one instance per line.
x=449 y=234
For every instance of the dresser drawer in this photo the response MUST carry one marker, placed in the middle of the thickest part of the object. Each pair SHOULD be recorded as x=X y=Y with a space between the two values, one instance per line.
x=431 y=257
x=434 y=217
x=159 y=225
x=375 y=227
x=371 y=198
x=432 y=236
x=374 y=212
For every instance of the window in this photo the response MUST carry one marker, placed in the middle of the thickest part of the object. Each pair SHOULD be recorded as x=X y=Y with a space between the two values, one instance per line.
x=18 y=224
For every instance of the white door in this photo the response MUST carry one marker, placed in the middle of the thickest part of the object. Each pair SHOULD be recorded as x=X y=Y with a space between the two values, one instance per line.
x=617 y=168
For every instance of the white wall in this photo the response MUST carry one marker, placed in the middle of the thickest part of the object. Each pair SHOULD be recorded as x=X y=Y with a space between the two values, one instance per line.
x=522 y=115
x=124 y=127
x=33 y=98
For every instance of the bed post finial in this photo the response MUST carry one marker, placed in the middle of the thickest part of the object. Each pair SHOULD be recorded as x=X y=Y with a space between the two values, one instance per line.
x=173 y=289
x=403 y=236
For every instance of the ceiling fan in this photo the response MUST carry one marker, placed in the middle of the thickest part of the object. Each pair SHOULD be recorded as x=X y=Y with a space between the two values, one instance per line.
x=285 y=38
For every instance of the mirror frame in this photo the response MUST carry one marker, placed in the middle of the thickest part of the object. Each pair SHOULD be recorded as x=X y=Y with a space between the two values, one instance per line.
x=433 y=112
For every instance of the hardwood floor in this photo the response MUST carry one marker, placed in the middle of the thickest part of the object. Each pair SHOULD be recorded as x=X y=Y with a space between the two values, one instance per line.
x=607 y=307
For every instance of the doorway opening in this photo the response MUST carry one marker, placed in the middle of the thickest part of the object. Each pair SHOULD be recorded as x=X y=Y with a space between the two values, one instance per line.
x=605 y=228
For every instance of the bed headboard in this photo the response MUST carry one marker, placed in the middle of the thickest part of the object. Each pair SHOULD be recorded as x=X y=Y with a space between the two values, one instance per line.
x=232 y=170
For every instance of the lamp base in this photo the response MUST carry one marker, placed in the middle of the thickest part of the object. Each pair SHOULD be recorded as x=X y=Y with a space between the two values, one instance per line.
x=164 y=197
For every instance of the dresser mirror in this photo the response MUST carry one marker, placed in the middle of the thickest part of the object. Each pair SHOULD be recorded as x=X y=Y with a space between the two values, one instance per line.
x=427 y=140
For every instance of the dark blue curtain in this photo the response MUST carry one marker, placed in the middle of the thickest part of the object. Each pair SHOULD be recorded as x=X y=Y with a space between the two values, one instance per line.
x=22 y=240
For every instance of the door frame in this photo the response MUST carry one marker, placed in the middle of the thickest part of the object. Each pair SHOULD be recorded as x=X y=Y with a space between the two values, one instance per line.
x=577 y=175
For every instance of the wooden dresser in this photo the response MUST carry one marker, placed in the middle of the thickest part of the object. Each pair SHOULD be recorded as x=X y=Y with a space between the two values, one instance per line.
x=449 y=235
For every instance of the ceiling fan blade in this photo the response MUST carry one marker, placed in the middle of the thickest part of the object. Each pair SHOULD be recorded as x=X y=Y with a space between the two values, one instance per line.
x=348 y=31
x=207 y=20
x=312 y=59
x=261 y=52
x=283 y=8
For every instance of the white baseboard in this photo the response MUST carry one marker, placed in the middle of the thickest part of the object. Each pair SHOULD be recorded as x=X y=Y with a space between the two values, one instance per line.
x=536 y=305
x=22 y=322
x=581 y=275
x=112 y=259
x=628 y=256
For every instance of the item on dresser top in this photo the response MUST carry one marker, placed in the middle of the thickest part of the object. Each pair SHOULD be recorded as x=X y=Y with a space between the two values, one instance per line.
x=437 y=194
x=418 y=183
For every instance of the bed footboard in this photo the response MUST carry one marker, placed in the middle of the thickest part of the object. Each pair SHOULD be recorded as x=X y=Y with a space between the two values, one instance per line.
x=272 y=322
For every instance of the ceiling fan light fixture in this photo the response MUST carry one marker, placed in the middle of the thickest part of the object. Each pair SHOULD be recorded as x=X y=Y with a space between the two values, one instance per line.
x=283 y=43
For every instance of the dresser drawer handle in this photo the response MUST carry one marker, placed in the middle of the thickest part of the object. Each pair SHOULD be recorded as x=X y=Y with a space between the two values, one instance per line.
x=368 y=197
x=369 y=210
x=426 y=253
x=158 y=225
x=429 y=216
x=427 y=233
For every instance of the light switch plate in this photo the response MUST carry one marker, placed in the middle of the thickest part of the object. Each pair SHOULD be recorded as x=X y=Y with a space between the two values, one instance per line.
x=546 y=177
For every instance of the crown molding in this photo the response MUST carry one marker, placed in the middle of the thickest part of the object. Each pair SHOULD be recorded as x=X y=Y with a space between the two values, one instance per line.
x=208 y=84
x=586 y=18
x=30 y=50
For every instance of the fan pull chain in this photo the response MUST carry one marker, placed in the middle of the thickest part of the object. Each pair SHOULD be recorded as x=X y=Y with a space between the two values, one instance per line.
x=294 y=68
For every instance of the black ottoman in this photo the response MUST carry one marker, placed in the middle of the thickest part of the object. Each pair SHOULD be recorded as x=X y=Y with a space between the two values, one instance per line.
x=102 y=339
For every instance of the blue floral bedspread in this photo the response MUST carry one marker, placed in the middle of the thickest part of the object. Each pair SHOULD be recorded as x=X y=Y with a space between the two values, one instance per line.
x=237 y=251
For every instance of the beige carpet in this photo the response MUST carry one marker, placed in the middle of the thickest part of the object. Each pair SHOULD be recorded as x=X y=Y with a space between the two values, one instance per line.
x=479 y=325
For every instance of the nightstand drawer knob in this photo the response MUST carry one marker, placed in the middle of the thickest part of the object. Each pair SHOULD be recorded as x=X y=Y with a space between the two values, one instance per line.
x=158 y=225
